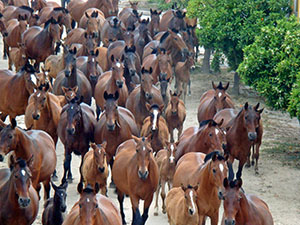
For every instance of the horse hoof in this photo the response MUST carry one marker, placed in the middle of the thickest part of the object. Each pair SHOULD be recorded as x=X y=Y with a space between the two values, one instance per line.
x=70 y=180
x=155 y=213
x=112 y=185
x=256 y=172
x=164 y=211
x=247 y=165
x=54 y=178
x=252 y=163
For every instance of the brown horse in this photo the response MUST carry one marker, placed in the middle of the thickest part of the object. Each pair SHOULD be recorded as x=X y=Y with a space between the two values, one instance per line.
x=240 y=208
x=175 y=115
x=43 y=112
x=37 y=5
x=208 y=171
x=94 y=167
x=181 y=205
x=146 y=92
x=110 y=82
x=71 y=77
x=19 y=200
x=116 y=125
x=165 y=160
x=112 y=30
x=77 y=8
x=102 y=59
x=244 y=130
x=17 y=57
x=172 y=19
x=13 y=12
x=129 y=17
x=26 y=144
x=45 y=38
x=154 y=22
x=142 y=36
x=16 y=90
x=206 y=138
x=156 y=127
x=182 y=75
x=18 y=2
x=15 y=28
x=214 y=100
x=75 y=130
x=136 y=174
x=94 y=209
x=133 y=6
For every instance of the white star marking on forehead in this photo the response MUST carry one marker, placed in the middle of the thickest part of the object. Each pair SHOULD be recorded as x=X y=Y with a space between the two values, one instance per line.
x=221 y=167
x=179 y=35
x=61 y=194
x=93 y=59
x=23 y=172
x=33 y=79
x=220 y=94
x=144 y=149
x=87 y=200
x=217 y=131
x=118 y=64
x=38 y=95
x=172 y=147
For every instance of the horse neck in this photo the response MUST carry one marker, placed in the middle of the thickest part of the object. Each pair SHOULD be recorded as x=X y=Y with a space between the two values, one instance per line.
x=23 y=142
x=57 y=215
x=142 y=97
x=46 y=38
x=112 y=84
x=238 y=127
x=212 y=106
x=244 y=214
x=93 y=4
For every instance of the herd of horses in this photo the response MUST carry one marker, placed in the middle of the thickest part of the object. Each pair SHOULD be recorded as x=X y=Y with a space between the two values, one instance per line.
x=126 y=63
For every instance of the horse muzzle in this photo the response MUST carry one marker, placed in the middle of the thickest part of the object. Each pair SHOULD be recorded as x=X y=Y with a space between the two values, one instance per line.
x=36 y=117
x=119 y=83
x=71 y=131
x=229 y=222
x=142 y=175
x=191 y=212
x=101 y=169
x=111 y=127
x=252 y=136
x=67 y=73
x=63 y=208
x=24 y=202
x=148 y=96
x=132 y=72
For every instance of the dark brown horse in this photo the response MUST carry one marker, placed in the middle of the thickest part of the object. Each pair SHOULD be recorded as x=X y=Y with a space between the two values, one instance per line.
x=136 y=174
x=93 y=208
x=142 y=36
x=244 y=130
x=206 y=138
x=112 y=30
x=214 y=100
x=154 y=22
x=208 y=171
x=240 y=208
x=116 y=125
x=71 y=77
x=146 y=92
x=13 y=12
x=45 y=38
x=27 y=144
x=76 y=131
x=16 y=90
x=19 y=199
x=172 y=19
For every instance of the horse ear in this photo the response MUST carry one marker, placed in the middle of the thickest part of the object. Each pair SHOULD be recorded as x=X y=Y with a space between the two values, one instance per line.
x=80 y=187
x=75 y=89
x=116 y=95
x=93 y=146
x=238 y=183
x=183 y=15
x=13 y=123
x=179 y=93
x=151 y=11
x=159 y=12
x=227 y=86
x=221 y=122
x=73 y=23
x=85 y=34
x=214 y=86
x=135 y=138
x=225 y=182
x=183 y=187
x=2 y=124
x=261 y=110
x=25 y=17
x=64 y=89
x=105 y=95
x=246 y=106
x=148 y=106
x=87 y=15
x=256 y=107
x=112 y=58
x=214 y=157
x=196 y=187
x=104 y=144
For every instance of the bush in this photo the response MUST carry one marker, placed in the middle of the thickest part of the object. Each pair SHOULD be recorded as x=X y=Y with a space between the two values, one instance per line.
x=294 y=100
x=272 y=62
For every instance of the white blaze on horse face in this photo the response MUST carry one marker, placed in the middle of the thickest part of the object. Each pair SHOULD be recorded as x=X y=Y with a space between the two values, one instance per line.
x=23 y=172
x=172 y=154
x=118 y=64
x=87 y=200
x=179 y=35
x=220 y=94
x=38 y=95
x=192 y=201
x=221 y=167
x=144 y=149
x=33 y=79
x=217 y=131
x=93 y=60
x=155 y=115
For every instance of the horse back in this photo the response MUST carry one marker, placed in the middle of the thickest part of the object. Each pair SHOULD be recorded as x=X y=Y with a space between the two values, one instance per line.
x=228 y=115
x=109 y=213
x=165 y=20
x=129 y=119
x=185 y=141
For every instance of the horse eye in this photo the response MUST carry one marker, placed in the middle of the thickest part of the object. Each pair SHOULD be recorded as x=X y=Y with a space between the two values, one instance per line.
x=44 y=99
x=214 y=171
x=10 y=136
x=210 y=134
x=246 y=117
x=175 y=39
x=96 y=206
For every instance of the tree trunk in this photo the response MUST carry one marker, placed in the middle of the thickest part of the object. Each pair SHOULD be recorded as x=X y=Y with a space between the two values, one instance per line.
x=236 y=84
x=206 y=61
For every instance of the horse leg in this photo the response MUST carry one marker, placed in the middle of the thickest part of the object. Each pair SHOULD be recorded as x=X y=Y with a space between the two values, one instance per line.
x=256 y=156
x=67 y=166
x=189 y=84
x=80 y=167
x=184 y=91
x=112 y=183
x=163 y=195
x=172 y=135
x=5 y=53
x=156 y=199
x=121 y=200
x=47 y=188
x=240 y=168
x=147 y=204
x=230 y=169
x=136 y=215
x=179 y=132
x=38 y=188
x=248 y=159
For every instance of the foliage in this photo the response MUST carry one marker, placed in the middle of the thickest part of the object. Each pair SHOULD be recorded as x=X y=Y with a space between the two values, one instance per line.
x=162 y=5
x=294 y=100
x=217 y=60
x=272 y=62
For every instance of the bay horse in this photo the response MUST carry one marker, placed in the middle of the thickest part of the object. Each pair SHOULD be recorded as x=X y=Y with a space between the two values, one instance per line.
x=112 y=30
x=27 y=144
x=94 y=167
x=214 y=100
x=154 y=22
x=181 y=205
x=172 y=19
x=77 y=8
x=19 y=199
x=45 y=38
x=208 y=172
x=175 y=115
x=240 y=208
x=71 y=77
x=17 y=57
x=116 y=125
x=156 y=127
x=206 y=138
x=14 y=28
x=55 y=207
x=164 y=87
x=16 y=89
x=142 y=36
x=165 y=159
x=38 y=5
x=245 y=124
x=143 y=93
x=129 y=17
x=136 y=174
x=93 y=208
x=110 y=82
x=13 y=12
x=76 y=131
x=43 y=112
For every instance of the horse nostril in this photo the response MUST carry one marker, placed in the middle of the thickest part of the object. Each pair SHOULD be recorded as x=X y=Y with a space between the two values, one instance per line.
x=71 y=131
x=119 y=83
x=36 y=117
x=67 y=73
x=224 y=146
x=101 y=169
x=111 y=127
x=24 y=202
x=252 y=136
x=63 y=208
x=191 y=211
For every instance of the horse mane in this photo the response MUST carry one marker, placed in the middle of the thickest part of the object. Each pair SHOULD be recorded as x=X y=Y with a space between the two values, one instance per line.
x=220 y=86
x=154 y=106
x=155 y=12
x=210 y=155
x=179 y=14
x=115 y=20
x=135 y=13
x=205 y=122
x=110 y=96
x=51 y=20
x=130 y=49
x=189 y=186
x=61 y=9
x=175 y=30
x=164 y=37
x=26 y=8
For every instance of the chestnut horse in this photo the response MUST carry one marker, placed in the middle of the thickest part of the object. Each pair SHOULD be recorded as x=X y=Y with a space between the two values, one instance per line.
x=110 y=82
x=37 y=5
x=17 y=57
x=45 y=38
x=206 y=138
x=214 y=100
x=71 y=77
x=154 y=22
x=93 y=208
x=156 y=127
x=172 y=19
x=116 y=125
x=240 y=208
x=26 y=144
x=244 y=130
x=146 y=92
x=165 y=159
x=15 y=91
x=208 y=171
x=94 y=167
x=19 y=199
x=76 y=131
x=136 y=174
x=175 y=115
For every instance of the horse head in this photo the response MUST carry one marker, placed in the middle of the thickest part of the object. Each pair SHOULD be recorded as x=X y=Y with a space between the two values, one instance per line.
x=74 y=117
x=111 y=110
x=100 y=155
x=171 y=148
x=92 y=65
x=8 y=138
x=22 y=23
x=134 y=5
x=155 y=112
x=64 y=18
x=70 y=93
x=176 y=40
x=92 y=23
x=53 y=29
x=143 y=155
x=108 y=4
x=164 y=84
x=31 y=81
x=117 y=71
x=190 y=196
x=155 y=20
x=60 y=196
x=164 y=63
x=174 y=102
x=90 y=42
x=70 y=61
x=220 y=96
x=146 y=83
x=130 y=59
x=178 y=20
x=39 y=101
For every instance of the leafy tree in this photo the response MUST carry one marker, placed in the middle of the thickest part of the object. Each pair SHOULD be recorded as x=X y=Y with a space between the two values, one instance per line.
x=230 y=25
